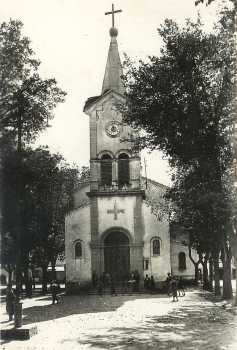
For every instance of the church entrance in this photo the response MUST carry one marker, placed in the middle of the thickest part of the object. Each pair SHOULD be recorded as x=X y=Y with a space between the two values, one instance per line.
x=117 y=255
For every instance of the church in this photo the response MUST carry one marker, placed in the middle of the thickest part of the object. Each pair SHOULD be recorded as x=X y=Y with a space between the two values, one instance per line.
x=119 y=224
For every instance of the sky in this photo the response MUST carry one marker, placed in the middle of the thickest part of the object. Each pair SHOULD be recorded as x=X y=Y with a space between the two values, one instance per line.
x=71 y=39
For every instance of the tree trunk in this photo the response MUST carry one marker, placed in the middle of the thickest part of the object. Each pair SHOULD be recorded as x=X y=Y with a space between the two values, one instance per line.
x=205 y=273
x=44 y=279
x=211 y=274
x=10 y=271
x=227 y=286
x=235 y=282
x=217 y=289
x=28 y=282
x=195 y=263
x=53 y=264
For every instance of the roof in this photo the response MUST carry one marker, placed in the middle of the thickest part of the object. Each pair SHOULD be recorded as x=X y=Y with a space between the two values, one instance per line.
x=113 y=70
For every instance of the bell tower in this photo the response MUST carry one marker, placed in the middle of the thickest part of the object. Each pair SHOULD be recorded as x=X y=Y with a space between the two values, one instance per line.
x=116 y=193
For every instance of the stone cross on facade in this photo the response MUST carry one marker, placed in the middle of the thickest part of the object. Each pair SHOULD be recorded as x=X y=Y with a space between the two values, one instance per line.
x=112 y=13
x=115 y=211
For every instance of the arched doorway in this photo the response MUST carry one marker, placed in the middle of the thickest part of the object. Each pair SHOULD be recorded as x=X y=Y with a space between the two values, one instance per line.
x=117 y=255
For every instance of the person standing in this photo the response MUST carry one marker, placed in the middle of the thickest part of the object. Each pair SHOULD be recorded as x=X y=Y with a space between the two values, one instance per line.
x=94 y=279
x=146 y=283
x=168 y=283
x=152 y=285
x=54 y=291
x=112 y=287
x=181 y=287
x=137 y=281
x=10 y=299
x=100 y=286
x=174 y=289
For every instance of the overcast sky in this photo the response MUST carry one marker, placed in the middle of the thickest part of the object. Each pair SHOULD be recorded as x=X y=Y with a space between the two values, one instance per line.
x=71 y=38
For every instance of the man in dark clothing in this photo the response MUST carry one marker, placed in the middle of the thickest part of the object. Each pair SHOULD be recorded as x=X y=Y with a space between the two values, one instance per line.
x=112 y=287
x=54 y=291
x=100 y=286
x=10 y=299
x=152 y=285
x=181 y=287
x=94 y=279
x=174 y=288
x=146 y=282
x=137 y=281
x=168 y=283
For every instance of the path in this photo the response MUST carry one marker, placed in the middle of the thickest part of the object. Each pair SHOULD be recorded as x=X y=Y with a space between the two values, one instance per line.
x=128 y=322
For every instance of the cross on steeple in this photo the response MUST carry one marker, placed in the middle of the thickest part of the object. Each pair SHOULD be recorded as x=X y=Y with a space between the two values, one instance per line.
x=112 y=13
x=115 y=211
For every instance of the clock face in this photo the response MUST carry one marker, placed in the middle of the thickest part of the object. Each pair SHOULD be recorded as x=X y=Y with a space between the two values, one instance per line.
x=112 y=129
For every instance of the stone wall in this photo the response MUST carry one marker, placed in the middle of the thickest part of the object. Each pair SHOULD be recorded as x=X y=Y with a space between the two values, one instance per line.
x=158 y=265
x=179 y=244
x=78 y=228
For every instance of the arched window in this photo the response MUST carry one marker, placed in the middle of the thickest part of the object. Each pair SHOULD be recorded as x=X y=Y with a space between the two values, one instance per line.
x=155 y=245
x=106 y=170
x=123 y=170
x=182 y=261
x=78 y=250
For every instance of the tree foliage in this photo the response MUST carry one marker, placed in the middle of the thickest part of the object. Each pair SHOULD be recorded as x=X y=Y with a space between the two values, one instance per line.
x=26 y=100
x=48 y=184
x=183 y=99
x=26 y=105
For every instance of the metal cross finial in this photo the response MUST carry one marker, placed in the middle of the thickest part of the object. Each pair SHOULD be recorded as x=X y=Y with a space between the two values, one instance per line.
x=112 y=13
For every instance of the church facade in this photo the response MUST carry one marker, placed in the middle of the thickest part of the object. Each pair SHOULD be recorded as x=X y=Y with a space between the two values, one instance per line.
x=114 y=227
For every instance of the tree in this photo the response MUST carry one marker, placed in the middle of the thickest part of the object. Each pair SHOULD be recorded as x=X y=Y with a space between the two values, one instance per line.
x=26 y=105
x=26 y=100
x=52 y=183
x=182 y=100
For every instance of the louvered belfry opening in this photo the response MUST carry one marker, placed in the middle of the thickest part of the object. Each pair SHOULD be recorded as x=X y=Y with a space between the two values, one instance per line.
x=106 y=170
x=123 y=170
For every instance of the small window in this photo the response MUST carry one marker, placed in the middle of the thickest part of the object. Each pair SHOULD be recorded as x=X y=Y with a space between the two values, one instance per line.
x=182 y=261
x=145 y=264
x=78 y=250
x=155 y=246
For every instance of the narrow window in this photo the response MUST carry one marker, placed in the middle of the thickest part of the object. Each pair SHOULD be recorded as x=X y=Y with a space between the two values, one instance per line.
x=182 y=261
x=106 y=170
x=78 y=250
x=123 y=170
x=156 y=246
x=145 y=264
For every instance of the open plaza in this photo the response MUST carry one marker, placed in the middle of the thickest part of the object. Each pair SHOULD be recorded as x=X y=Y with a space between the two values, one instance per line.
x=137 y=321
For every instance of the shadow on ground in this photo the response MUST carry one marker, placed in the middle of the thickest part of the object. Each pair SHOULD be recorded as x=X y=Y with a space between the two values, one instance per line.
x=196 y=327
x=71 y=305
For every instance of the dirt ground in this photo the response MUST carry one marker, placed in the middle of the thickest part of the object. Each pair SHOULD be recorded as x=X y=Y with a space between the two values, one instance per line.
x=127 y=322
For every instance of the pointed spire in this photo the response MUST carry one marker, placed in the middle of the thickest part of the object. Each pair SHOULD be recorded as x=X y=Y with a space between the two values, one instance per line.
x=113 y=70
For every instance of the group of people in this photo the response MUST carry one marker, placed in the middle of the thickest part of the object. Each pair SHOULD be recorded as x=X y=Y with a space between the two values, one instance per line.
x=11 y=297
x=128 y=283
x=175 y=286
x=149 y=284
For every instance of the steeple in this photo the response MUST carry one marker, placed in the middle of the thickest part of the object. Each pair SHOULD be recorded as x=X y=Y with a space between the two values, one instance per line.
x=113 y=70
